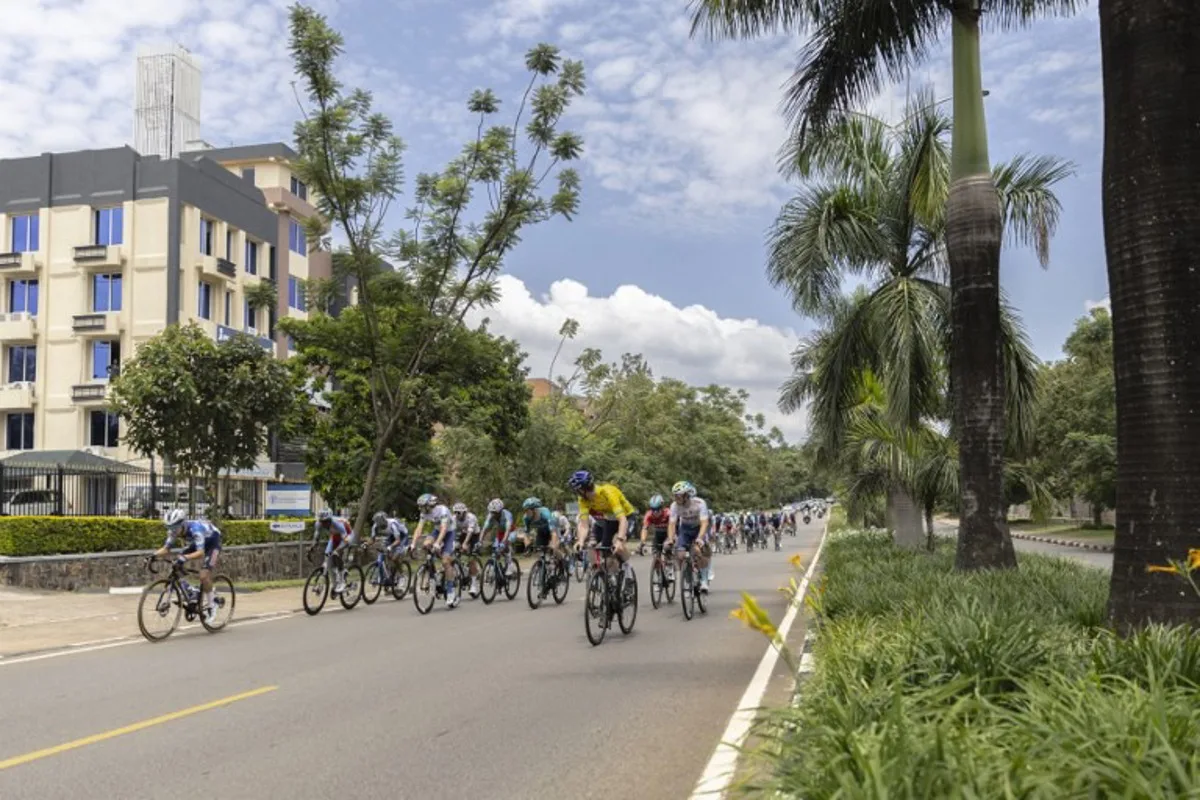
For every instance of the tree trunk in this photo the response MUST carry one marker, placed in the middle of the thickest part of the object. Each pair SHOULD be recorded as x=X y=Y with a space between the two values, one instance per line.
x=1151 y=64
x=1097 y=511
x=365 y=512
x=906 y=517
x=973 y=234
x=930 y=535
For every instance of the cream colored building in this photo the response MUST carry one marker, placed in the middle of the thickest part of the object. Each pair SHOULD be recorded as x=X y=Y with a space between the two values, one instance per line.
x=101 y=249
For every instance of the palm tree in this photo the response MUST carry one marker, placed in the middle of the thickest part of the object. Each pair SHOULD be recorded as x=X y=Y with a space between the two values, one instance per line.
x=851 y=46
x=874 y=209
x=1152 y=231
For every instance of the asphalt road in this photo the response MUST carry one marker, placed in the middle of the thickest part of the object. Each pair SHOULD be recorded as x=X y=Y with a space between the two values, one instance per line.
x=1091 y=558
x=483 y=701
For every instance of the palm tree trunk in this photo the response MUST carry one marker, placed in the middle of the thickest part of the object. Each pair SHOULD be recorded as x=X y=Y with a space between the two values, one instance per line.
x=1152 y=236
x=930 y=541
x=973 y=234
x=906 y=517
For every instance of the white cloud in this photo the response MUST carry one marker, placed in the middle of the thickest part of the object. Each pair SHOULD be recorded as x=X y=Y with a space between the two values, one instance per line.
x=694 y=344
x=1106 y=304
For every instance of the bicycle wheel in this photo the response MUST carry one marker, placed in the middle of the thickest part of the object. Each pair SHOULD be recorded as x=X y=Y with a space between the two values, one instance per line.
x=401 y=579
x=473 y=561
x=687 y=594
x=595 y=609
x=161 y=603
x=629 y=602
x=488 y=581
x=424 y=588
x=658 y=583
x=512 y=579
x=223 y=598
x=671 y=576
x=701 y=600
x=316 y=591
x=372 y=583
x=352 y=593
x=537 y=579
x=561 y=583
x=579 y=562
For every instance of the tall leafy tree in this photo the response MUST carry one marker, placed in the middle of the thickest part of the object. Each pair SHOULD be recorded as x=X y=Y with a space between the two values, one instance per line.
x=852 y=47
x=415 y=286
x=1152 y=234
x=874 y=208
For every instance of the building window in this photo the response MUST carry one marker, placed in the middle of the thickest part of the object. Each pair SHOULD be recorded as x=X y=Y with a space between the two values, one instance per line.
x=229 y=243
x=251 y=257
x=22 y=363
x=106 y=292
x=297 y=238
x=248 y=174
x=206 y=235
x=291 y=344
x=109 y=223
x=106 y=360
x=296 y=298
x=25 y=233
x=299 y=188
x=20 y=431
x=228 y=307
x=105 y=427
x=248 y=317
x=23 y=296
x=204 y=307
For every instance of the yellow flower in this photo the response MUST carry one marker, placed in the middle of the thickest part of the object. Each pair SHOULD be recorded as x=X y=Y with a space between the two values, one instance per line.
x=1170 y=569
x=1193 y=559
x=798 y=562
x=753 y=616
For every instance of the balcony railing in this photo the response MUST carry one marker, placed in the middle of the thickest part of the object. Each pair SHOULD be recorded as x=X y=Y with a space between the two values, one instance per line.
x=89 y=322
x=10 y=260
x=91 y=252
x=226 y=267
x=84 y=392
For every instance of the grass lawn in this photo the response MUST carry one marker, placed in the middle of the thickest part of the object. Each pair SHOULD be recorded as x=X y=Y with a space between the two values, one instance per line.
x=1064 y=530
x=928 y=683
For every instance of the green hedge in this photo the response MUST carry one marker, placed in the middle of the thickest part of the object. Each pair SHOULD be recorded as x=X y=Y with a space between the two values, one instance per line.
x=39 y=536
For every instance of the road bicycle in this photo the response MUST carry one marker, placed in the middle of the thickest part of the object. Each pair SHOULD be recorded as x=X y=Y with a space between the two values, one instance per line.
x=662 y=578
x=690 y=595
x=430 y=580
x=576 y=561
x=388 y=571
x=778 y=539
x=610 y=594
x=500 y=571
x=548 y=575
x=465 y=559
x=165 y=599
x=320 y=581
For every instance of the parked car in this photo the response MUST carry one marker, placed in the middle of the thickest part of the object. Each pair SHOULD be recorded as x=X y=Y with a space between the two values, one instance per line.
x=134 y=501
x=31 y=503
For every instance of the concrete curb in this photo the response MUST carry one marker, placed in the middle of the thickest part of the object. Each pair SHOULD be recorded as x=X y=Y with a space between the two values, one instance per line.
x=1101 y=548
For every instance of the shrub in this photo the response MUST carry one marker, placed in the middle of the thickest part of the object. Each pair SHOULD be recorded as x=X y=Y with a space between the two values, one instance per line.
x=37 y=536
x=931 y=683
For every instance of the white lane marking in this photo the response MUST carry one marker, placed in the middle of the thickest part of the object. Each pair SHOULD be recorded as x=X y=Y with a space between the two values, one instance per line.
x=125 y=589
x=722 y=766
x=107 y=644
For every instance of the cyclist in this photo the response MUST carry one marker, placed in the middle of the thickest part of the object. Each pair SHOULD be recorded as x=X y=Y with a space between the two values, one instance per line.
x=467 y=525
x=201 y=540
x=603 y=510
x=566 y=535
x=689 y=525
x=393 y=532
x=498 y=523
x=341 y=535
x=657 y=521
x=540 y=520
x=440 y=538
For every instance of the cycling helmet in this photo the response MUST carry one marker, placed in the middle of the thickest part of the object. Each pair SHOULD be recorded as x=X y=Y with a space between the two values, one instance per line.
x=581 y=481
x=496 y=506
x=380 y=520
x=324 y=516
x=427 y=500
x=656 y=502
x=531 y=502
x=460 y=508
x=683 y=488
x=174 y=518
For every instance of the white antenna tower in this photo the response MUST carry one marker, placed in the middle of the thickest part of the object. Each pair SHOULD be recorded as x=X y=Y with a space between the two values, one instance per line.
x=166 y=102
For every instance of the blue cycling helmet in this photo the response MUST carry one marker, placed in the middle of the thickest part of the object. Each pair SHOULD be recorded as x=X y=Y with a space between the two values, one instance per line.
x=324 y=516
x=531 y=502
x=426 y=500
x=581 y=481
x=656 y=502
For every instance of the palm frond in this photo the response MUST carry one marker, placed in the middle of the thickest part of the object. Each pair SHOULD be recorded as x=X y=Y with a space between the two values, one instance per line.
x=905 y=315
x=1021 y=381
x=1030 y=208
x=1005 y=15
x=746 y=19
x=923 y=166
x=853 y=46
x=855 y=149
x=820 y=235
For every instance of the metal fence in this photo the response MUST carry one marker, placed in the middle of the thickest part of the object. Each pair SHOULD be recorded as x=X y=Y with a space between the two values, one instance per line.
x=64 y=491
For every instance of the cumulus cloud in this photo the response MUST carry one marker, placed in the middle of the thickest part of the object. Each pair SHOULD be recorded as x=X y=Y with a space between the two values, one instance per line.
x=1106 y=304
x=694 y=343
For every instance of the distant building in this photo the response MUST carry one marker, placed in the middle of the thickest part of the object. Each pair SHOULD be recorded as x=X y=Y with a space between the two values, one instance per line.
x=539 y=387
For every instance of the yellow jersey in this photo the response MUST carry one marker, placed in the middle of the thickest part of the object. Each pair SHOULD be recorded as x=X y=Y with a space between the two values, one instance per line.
x=607 y=503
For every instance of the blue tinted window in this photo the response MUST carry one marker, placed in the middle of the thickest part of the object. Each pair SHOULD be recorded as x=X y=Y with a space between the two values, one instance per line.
x=20 y=431
x=106 y=292
x=22 y=363
x=106 y=359
x=110 y=225
x=205 y=304
x=206 y=236
x=25 y=233
x=105 y=427
x=251 y=257
x=23 y=296
x=297 y=238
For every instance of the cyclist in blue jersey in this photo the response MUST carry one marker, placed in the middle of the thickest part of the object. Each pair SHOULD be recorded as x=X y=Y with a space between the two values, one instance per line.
x=440 y=538
x=341 y=535
x=201 y=539
x=393 y=532
x=540 y=520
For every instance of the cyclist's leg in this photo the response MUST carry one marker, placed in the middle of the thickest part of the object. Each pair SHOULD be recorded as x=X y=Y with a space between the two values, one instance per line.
x=448 y=565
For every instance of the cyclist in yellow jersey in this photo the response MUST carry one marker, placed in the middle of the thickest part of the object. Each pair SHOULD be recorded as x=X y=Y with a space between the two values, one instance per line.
x=604 y=510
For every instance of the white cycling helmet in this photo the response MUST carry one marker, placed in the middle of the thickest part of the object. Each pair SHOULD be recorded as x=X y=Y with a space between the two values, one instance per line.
x=174 y=518
x=460 y=508
x=496 y=506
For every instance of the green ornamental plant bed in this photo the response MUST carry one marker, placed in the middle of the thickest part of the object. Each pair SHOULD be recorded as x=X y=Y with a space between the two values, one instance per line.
x=930 y=683
x=39 y=536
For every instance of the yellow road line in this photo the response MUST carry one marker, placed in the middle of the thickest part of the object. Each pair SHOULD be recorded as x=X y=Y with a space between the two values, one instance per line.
x=16 y=761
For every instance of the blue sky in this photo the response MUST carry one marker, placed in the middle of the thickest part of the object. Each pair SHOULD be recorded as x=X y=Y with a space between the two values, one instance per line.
x=680 y=138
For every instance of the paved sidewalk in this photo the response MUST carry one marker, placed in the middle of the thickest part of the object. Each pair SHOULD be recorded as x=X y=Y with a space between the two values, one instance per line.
x=31 y=621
